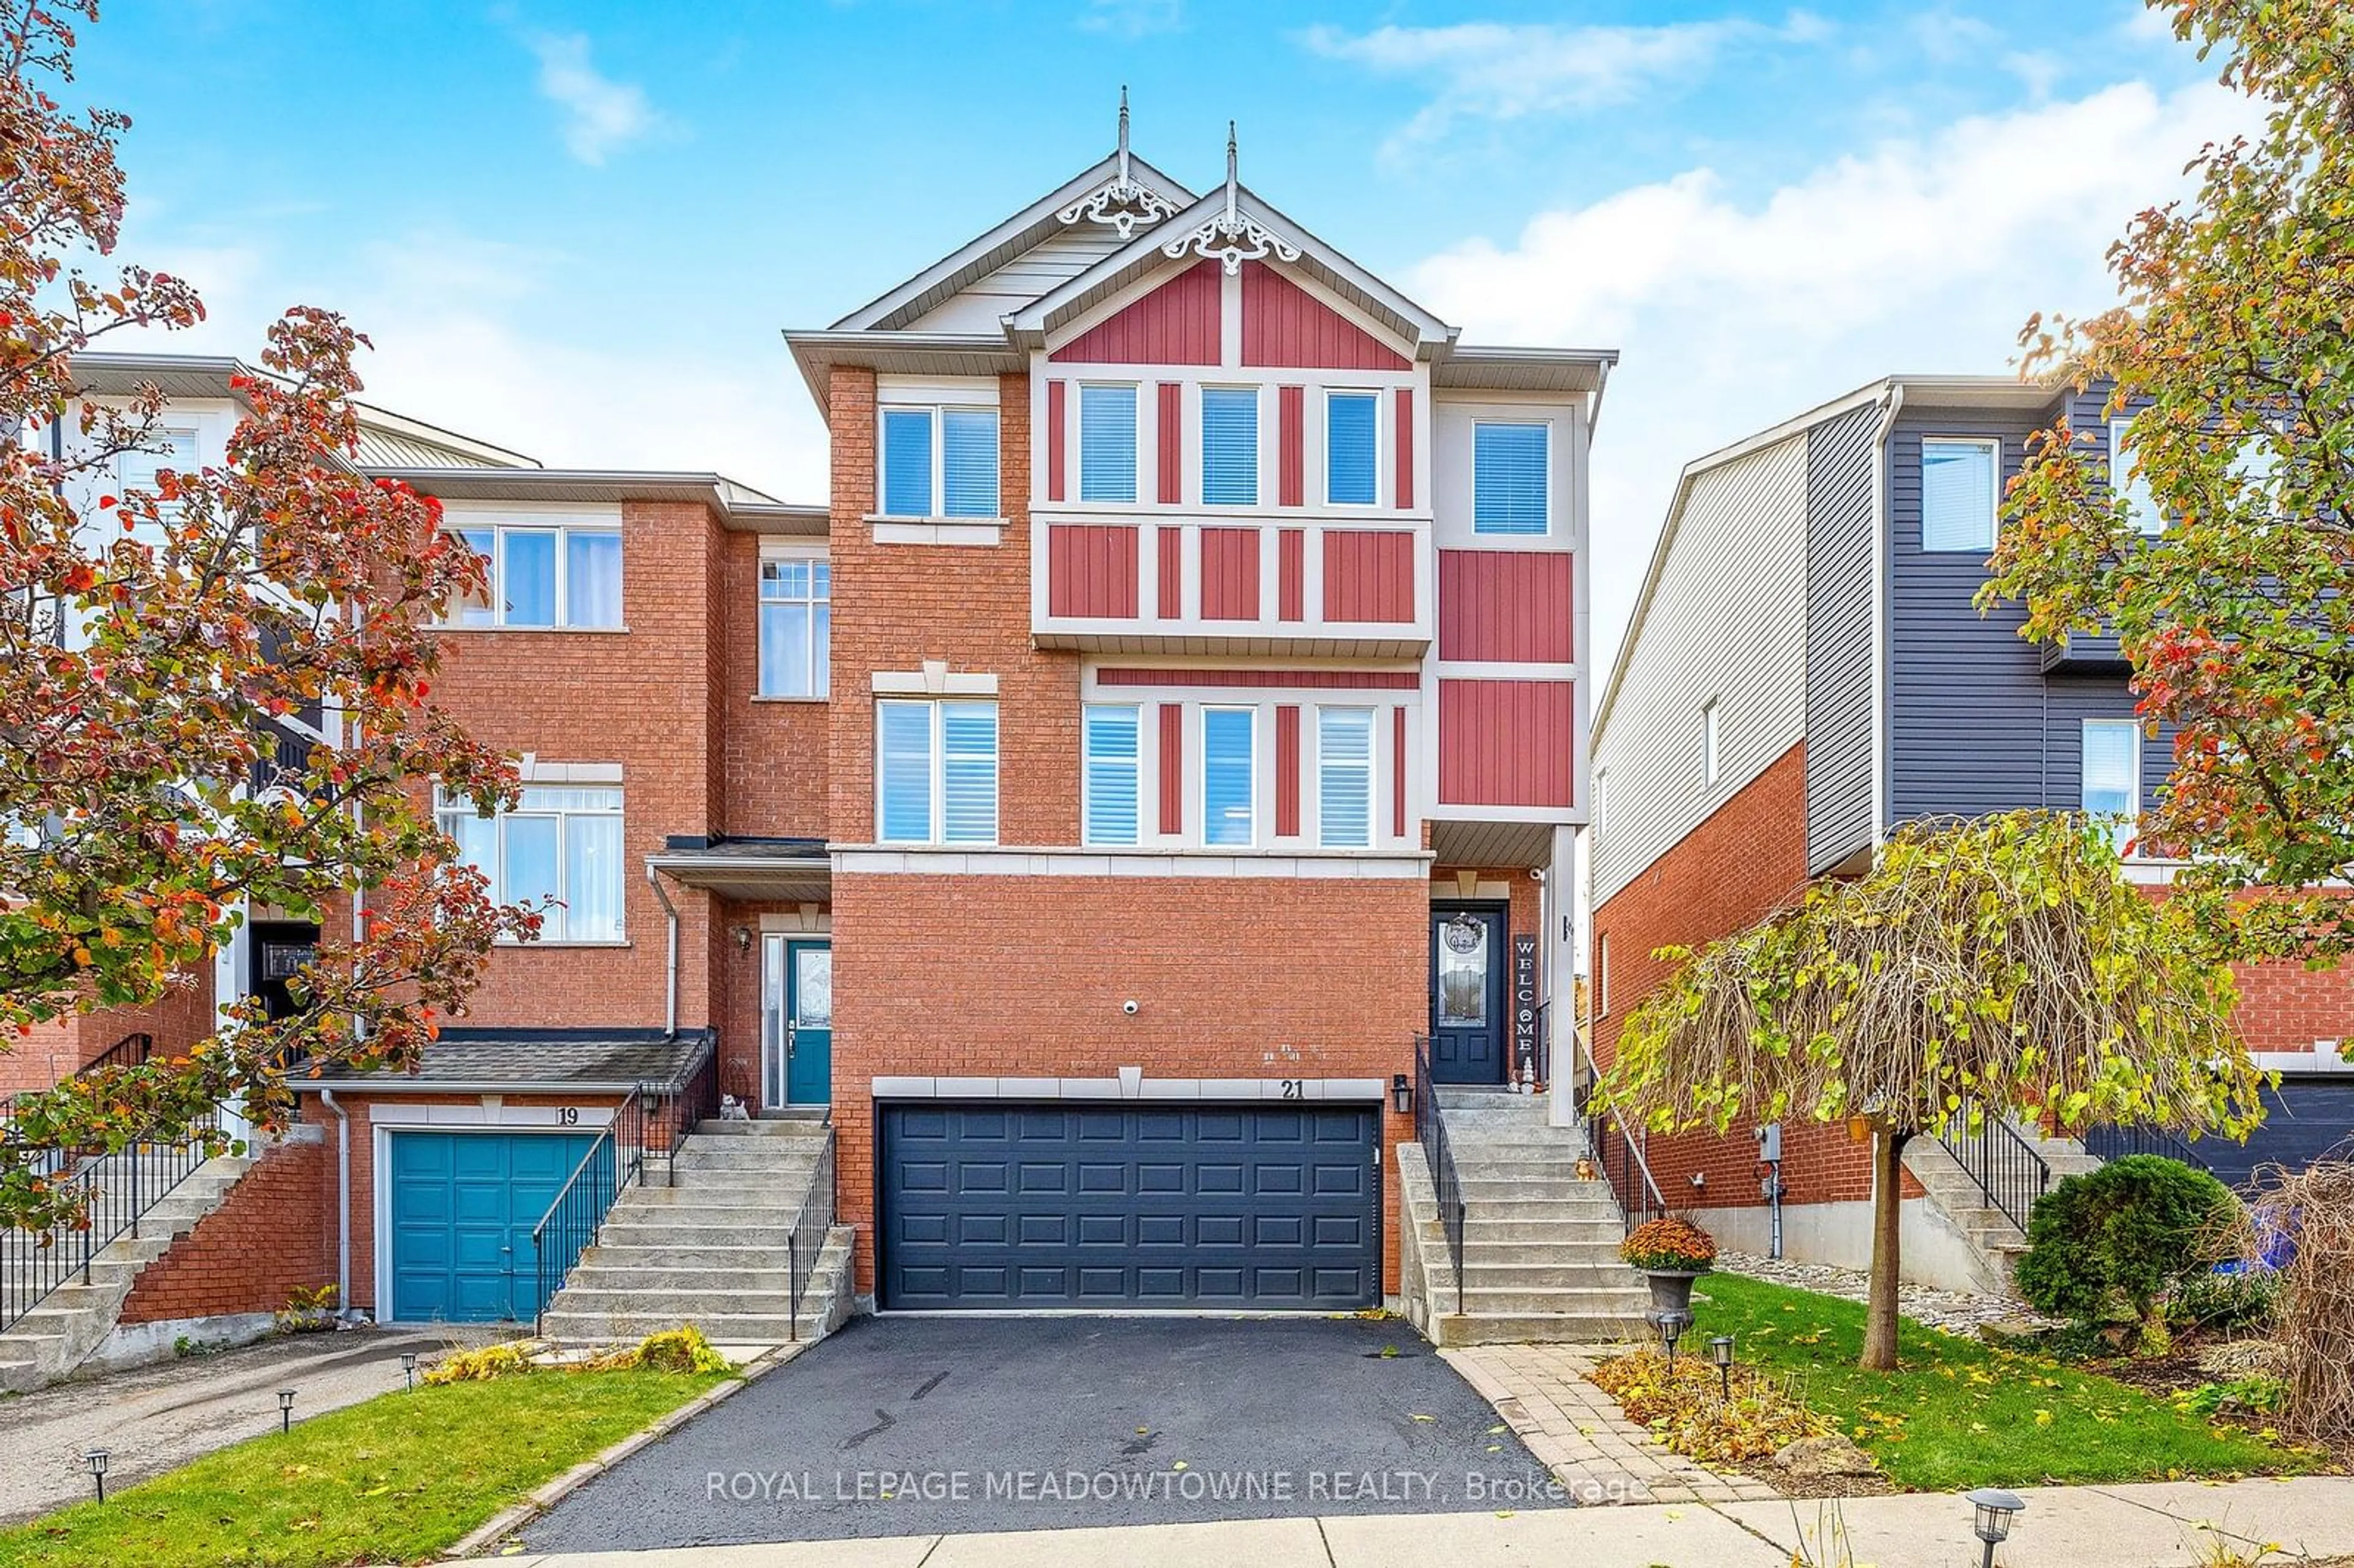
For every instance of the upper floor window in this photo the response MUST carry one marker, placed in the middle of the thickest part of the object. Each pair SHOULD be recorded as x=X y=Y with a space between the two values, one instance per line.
x=1107 y=443
x=1344 y=778
x=1110 y=782
x=936 y=772
x=1229 y=446
x=165 y=447
x=1711 y=741
x=1229 y=775
x=560 y=841
x=940 y=462
x=1960 y=480
x=2112 y=774
x=545 y=576
x=1511 y=473
x=2129 y=484
x=1350 y=443
x=1601 y=813
x=796 y=628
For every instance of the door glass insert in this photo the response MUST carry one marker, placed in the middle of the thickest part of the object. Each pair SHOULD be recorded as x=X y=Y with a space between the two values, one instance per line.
x=1463 y=973
x=813 y=987
x=772 y=1020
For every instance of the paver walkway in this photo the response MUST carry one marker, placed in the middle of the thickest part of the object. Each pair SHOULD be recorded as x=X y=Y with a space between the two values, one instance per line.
x=1578 y=1432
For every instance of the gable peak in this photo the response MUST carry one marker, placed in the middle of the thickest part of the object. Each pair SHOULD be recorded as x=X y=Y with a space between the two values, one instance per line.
x=1122 y=203
x=1230 y=235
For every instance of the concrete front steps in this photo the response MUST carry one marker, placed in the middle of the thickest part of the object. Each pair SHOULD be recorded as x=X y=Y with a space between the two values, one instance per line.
x=710 y=1248
x=1995 y=1244
x=72 y=1321
x=1540 y=1246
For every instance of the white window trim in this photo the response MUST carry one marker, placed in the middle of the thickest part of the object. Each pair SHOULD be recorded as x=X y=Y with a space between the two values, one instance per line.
x=1598 y=814
x=1712 y=740
x=1086 y=778
x=1992 y=446
x=1202 y=789
x=1258 y=500
x=1552 y=446
x=936 y=749
x=1381 y=448
x=937 y=517
x=1079 y=390
x=759 y=613
x=2129 y=824
x=563 y=528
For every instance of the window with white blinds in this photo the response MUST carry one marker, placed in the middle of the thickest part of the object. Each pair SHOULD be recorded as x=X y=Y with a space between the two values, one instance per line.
x=1350 y=448
x=1229 y=775
x=1958 y=485
x=1110 y=782
x=2112 y=774
x=1229 y=446
x=1344 y=778
x=936 y=772
x=1107 y=443
x=1511 y=469
x=940 y=462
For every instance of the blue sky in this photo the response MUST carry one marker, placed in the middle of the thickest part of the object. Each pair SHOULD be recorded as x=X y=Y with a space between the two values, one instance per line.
x=576 y=228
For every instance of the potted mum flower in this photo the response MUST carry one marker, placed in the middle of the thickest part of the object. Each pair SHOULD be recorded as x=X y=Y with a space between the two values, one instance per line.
x=1671 y=1253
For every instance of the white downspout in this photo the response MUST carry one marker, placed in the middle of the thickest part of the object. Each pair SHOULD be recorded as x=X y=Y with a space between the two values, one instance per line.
x=343 y=1203
x=669 y=1001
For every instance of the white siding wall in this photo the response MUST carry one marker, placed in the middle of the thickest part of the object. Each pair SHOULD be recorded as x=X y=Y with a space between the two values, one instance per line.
x=1048 y=265
x=1727 y=620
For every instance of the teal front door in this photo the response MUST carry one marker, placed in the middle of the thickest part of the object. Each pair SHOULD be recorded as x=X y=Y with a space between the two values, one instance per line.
x=797 y=996
x=462 y=1207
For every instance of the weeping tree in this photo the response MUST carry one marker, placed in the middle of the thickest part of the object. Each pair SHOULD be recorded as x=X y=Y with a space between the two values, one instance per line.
x=1995 y=966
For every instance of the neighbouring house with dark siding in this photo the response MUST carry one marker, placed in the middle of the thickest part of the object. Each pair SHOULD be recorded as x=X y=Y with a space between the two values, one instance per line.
x=1808 y=667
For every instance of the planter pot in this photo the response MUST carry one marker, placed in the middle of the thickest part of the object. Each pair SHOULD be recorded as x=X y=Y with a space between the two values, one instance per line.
x=1671 y=1288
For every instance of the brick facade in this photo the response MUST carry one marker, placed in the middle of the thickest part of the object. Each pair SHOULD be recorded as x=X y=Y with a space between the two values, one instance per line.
x=273 y=1235
x=57 y=1050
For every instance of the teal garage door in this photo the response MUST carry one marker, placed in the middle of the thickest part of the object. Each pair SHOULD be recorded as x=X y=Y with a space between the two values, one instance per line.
x=462 y=1205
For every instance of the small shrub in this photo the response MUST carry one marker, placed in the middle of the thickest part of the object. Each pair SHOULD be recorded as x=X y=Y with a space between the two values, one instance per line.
x=1671 y=1244
x=2121 y=1237
x=681 y=1350
x=308 y=1311
x=2218 y=1302
x=2248 y=1395
x=1685 y=1407
x=512 y=1359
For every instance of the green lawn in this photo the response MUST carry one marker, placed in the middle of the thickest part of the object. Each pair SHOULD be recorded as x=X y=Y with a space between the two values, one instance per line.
x=392 y=1480
x=1960 y=1413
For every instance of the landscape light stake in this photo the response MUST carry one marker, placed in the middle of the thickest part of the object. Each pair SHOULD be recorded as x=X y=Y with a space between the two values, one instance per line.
x=1992 y=1512
x=1671 y=1328
x=96 y=1459
x=285 y=1410
x=1720 y=1351
x=408 y=1369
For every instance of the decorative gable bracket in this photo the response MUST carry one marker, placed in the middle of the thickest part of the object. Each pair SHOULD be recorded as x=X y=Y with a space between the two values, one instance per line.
x=1232 y=236
x=1123 y=202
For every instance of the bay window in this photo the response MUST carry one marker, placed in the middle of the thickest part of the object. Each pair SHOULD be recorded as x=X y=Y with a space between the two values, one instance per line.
x=936 y=771
x=1512 y=477
x=558 y=841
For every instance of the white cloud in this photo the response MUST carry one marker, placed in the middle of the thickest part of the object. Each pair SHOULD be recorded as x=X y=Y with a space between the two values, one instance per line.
x=600 y=115
x=1498 y=70
x=1735 y=312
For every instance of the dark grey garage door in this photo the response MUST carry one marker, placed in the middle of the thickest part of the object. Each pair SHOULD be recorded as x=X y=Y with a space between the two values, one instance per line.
x=1125 y=1206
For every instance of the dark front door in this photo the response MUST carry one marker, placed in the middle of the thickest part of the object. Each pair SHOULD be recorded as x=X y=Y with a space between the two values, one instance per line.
x=1467 y=994
x=1257 y=1207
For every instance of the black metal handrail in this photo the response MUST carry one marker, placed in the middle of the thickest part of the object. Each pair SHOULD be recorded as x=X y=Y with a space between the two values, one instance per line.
x=1430 y=1131
x=675 y=1109
x=576 y=1218
x=113 y=1192
x=1618 y=1155
x=2115 y=1143
x=132 y=1051
x=2004 y=1166
x=804 y=1239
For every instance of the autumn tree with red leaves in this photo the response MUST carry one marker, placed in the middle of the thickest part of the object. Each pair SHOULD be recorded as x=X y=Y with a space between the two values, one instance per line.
x=2235 y=354
x=150 y=639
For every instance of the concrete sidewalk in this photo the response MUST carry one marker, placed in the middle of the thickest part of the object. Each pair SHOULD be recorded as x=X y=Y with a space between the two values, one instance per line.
x=2167 y=1525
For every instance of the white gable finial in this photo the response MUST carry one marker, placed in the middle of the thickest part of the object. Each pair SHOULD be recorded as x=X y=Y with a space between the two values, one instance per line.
x=1230 y=238
x=1123 y=202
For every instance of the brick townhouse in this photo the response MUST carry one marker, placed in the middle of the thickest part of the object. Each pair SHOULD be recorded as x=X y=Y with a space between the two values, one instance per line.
x=1805 y=668
x=1177 y=709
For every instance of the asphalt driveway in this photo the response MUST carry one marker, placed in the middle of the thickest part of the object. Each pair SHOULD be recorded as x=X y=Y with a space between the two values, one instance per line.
x=910 y=1425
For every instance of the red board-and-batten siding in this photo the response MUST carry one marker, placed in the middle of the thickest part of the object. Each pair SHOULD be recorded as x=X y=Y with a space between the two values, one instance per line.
x=1172 y=767
x=1506 y=743
x=1177 y=324
x=1368 y=574
x=1230 y=574
x=1291 y=574
x=1506 y=607
x=1291 y=461
x=1285 y=327
x=1287 y=770
x=1169 y=543
x=1091 y=570
x=1172 y=427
